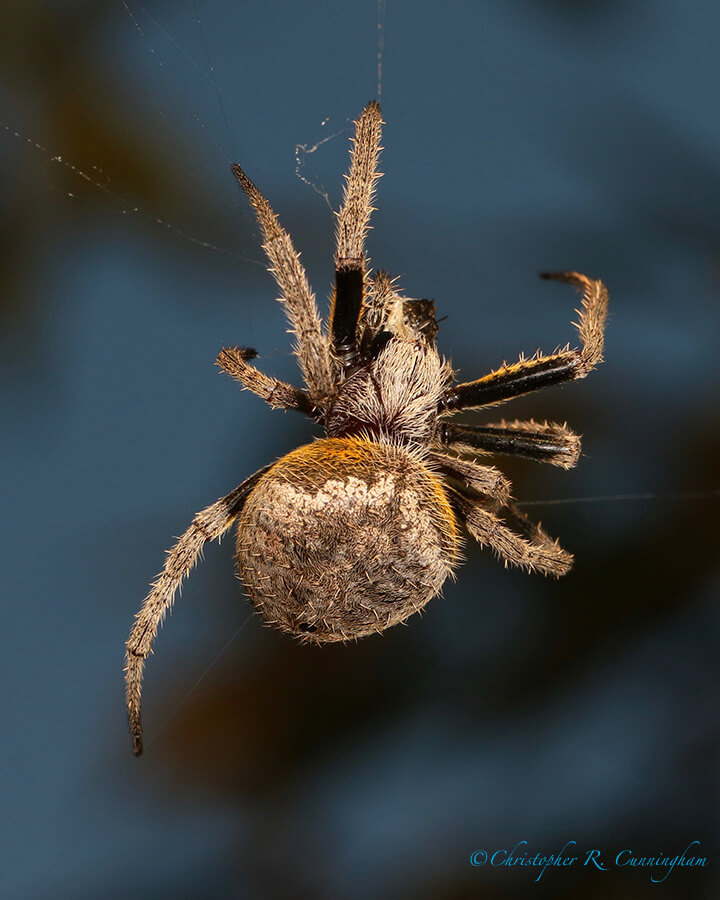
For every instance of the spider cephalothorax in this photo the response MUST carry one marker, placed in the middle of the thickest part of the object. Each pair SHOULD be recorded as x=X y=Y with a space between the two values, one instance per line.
x=356 y=531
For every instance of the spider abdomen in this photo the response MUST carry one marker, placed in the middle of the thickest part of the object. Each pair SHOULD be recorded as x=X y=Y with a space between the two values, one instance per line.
x=344 y=537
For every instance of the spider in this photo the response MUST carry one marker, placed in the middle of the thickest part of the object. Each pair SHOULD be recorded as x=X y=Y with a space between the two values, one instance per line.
x=354 y=532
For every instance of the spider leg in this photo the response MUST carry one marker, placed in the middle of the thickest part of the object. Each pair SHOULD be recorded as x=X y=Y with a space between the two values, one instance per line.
x=525 y=544
x=207 y=525
x=279 y=394
x=484 y=480
x=311 y=344
x=353 y=223
x=385 y=314
x=544 y=442
x=379 y=303
x=381 y=298
x=542 y=371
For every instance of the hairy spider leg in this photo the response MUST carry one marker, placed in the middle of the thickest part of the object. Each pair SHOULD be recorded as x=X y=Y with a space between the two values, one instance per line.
x=208 y=525
x=380 y=299
x=279 y=394
x=484 y=480
x=353 y=223
x=545 y=442
x=378 y=302
x=311 y=347
x=513 y=536
x=542 y=371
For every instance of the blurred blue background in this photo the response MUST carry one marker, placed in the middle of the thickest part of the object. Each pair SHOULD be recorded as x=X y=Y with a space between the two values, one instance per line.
x=523 y=136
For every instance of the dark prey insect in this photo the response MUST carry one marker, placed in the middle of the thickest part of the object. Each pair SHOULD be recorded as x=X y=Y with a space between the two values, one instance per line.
x=354 y=532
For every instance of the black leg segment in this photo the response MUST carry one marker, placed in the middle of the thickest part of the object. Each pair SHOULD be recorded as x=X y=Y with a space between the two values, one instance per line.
x=543 y=442
x=512 y=381
x=347 y=304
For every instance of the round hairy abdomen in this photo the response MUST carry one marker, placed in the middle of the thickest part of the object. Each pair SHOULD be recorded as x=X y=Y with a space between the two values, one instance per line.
x=345 y=537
